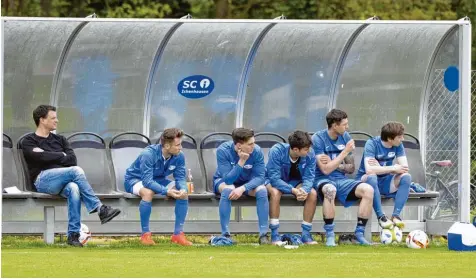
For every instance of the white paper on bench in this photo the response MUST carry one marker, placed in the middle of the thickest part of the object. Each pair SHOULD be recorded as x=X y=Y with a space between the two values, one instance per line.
x=12 y=190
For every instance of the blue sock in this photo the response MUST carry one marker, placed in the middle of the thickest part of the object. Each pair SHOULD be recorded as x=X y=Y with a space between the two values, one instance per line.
x=330 y=235
x=224 y=209
x=145 y=208
x=262 y=208
x=359 y=234
x=181 y=208
x=306 y=228
x=274 y=227
x=402 y=194
x=373 y=181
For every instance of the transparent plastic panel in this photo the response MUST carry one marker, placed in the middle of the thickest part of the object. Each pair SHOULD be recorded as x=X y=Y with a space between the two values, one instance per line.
x=103 y=83
x=291 y=77
x=32 y=50
x=384 y=74
x=217 y=51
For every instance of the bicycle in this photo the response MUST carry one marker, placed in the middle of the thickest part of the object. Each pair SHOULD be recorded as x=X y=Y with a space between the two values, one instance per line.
x=448 y=199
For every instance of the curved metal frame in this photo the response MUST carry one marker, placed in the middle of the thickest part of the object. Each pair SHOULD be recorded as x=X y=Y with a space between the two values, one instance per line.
x=9 y=139
x=417 y=141
x=427 y=91
x=361 y=133
x=241 y=93
x=211 y=135
x=153 y=69
x=87 y=133
x=20 y=139
x=270 y=134
x=111 y=142
x=60 y=63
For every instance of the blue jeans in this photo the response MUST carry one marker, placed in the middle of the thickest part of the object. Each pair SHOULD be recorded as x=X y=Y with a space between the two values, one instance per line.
x=71 y=184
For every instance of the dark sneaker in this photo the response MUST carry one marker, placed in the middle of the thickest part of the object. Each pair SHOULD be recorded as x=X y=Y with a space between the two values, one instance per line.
x=107 y=213
x=264 y=239
x=345 y=239
x=73 y=240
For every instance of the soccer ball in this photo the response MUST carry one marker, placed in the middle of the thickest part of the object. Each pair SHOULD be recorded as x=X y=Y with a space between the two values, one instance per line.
x=397 y=234
x=386 y=236
x=417 y=240
x=84 y=234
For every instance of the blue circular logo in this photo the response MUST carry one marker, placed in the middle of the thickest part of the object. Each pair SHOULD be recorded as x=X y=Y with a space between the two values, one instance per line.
x=451 y=78
x=196 y=87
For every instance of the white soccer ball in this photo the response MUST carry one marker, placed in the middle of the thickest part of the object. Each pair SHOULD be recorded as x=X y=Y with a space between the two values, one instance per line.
x=397 y=234
x=417 y=239
x=84 y=234
x=386 y=236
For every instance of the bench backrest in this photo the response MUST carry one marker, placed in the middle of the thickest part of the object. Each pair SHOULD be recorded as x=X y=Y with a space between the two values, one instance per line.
x=415 y=163
x=208 y=151
x=10 y=171
x=125 y=148
x=266 y=140
x=91 y=155
x=360 y=138
x=25 y=176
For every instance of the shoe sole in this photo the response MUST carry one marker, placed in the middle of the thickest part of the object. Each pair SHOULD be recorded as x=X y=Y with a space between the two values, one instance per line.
x=110 y=217
x=181 y=244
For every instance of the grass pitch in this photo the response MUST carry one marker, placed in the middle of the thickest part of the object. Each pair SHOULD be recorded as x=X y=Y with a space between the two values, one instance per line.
x=125 y=257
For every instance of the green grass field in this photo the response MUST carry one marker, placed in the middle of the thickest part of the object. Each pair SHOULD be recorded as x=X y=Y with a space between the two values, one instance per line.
x=125 y=257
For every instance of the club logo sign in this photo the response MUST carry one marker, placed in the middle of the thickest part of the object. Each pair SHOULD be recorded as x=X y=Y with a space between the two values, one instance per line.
x=196 y=87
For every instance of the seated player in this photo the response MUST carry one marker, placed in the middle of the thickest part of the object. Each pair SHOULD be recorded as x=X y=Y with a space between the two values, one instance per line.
x=147 y=177
x=378 y=169
x=241 y=170
x=291 y=170
x=333 y=148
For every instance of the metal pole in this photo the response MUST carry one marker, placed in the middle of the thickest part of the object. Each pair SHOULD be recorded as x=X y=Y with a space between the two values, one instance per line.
x=464 y=161
x=1 y=106
x=288 y=21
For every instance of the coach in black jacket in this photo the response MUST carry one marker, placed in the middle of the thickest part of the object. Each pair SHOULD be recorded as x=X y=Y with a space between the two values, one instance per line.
x=52 y=168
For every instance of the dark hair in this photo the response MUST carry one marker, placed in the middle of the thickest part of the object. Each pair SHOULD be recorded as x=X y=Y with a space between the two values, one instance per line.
x=335 y=116
x=170 y=134
x=241 y=135
x=41 y=112
x=391 y=130
x=299 y=139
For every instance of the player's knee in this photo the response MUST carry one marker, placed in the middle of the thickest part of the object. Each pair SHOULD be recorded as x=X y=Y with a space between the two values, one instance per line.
x=329 y=191
x=225 y=193
x=406 y=176
x=369 y=178
x=261 y=192
x=367 y=191
x=274 y=193
x=313 y=194
x=146 y=194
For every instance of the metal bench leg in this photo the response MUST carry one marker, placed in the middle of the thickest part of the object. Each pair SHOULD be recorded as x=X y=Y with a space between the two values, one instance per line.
x=49 y=229
x=368 y=229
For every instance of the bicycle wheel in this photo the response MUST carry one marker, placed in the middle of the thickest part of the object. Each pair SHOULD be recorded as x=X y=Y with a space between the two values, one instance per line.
x=448 y=202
